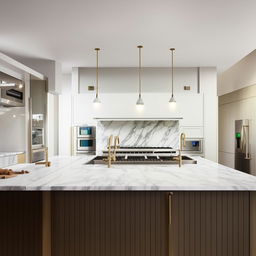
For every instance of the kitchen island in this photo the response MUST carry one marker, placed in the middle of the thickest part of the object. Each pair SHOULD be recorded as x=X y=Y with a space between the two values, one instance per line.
x=75 y=209
x=73 y=173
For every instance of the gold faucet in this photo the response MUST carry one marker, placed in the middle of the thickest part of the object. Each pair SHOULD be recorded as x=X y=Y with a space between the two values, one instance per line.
x=182 y=140
x=116 y=146
x=182 y=144
x=112 y=154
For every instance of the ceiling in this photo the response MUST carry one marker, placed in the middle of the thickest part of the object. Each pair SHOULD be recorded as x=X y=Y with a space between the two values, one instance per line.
x=204 y=32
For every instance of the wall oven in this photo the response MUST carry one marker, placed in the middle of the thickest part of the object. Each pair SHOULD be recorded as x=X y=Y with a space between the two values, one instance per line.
x=86 y=144
x=85 y=139
x=86 y=131
x=37 y=137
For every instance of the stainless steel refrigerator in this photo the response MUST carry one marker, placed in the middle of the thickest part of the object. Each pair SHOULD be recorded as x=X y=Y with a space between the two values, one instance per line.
x=242 y=145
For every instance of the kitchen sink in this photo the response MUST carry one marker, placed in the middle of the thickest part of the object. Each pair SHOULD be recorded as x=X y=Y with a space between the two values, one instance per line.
x=132 y=159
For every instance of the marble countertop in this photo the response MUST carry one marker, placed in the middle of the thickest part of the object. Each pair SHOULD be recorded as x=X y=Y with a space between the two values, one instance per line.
x=72 y=173
x=3 y=154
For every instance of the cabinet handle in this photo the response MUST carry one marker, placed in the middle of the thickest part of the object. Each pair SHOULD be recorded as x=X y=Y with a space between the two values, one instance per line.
x=170 y=208
x=170 y=223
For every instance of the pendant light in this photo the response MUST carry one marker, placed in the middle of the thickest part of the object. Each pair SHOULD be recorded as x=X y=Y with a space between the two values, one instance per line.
x=140 y=102
x=97 y=100
x=172 y=100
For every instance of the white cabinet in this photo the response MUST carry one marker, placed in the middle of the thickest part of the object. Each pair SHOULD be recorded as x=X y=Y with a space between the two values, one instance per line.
x=191 y=109
x=188 y=107
x=192 y=131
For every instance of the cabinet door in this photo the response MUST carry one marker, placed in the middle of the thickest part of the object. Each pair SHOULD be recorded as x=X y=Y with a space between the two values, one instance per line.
x=210 y=224
x=110 y=223
x=150 y=223
x=21 y=223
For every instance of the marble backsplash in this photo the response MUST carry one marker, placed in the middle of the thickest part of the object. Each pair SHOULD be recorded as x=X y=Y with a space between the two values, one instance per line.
x=139 y=133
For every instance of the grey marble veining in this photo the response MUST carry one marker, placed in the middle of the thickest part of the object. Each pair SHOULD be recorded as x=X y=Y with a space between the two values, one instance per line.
x=8 y=158
x=139 y=133
x=72 y=173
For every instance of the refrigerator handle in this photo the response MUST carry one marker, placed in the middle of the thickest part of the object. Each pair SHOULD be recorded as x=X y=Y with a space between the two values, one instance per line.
x=245 y=141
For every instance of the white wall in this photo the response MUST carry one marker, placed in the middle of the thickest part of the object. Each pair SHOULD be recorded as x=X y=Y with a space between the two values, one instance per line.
x=118 y=91
x=125 y=80
x=208 y=85
x=123 y=105
x=50 y=68
x=239 y=76
x=65 y=115
x=52 y=124
x=12 y=129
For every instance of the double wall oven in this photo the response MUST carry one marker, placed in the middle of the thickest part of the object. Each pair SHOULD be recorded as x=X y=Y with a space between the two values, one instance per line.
x=85 y=139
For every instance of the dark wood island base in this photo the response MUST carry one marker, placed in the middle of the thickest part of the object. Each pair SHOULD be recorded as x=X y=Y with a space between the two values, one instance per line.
x=127 y=223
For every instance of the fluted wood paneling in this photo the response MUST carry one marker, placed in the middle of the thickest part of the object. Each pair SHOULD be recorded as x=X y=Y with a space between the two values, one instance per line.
x=20 y=224
x=136 y=223
x=211 y=224
x=128 y=223
x=109 y=224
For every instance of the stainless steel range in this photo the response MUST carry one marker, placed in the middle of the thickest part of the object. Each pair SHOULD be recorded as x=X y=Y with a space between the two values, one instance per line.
x=143 y=151
x=143 y=155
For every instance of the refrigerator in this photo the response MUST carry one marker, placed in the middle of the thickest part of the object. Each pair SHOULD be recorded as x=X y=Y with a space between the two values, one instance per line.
x=242 y=146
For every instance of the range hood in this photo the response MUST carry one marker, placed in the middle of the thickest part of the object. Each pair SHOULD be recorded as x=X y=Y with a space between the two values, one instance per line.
x=137 y=119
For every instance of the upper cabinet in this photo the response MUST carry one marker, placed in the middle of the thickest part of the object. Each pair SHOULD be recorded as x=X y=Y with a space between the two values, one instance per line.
x=38 y=96
x=189 y=108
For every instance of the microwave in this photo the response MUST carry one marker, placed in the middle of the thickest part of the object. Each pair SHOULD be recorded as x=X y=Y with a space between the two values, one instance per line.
x=194 y=146
x=86 y=131
x=86 y=145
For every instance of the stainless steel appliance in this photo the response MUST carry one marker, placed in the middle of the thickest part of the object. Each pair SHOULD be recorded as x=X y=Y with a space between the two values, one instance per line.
x=144 y=155
x=11 y=91
x=38 y=131
x=242 y=146
x=86 y=132
x=86 y=145
x=135 y=159
x=193 y=146
x=141 y=151
x=85 y=139
x=37 y=137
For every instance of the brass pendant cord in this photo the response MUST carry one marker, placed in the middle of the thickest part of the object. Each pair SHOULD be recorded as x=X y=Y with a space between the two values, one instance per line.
x=97 y=71
x=140 y=47
x=172 y=49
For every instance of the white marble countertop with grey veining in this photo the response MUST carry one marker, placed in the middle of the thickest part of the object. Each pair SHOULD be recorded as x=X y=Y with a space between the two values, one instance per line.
x=72 y=173
x=3 y=154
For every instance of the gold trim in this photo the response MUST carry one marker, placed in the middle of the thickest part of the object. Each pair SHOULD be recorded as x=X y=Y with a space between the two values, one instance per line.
x=170 y=195
x=172 y=50
x=97 y=71
x=140 y=87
